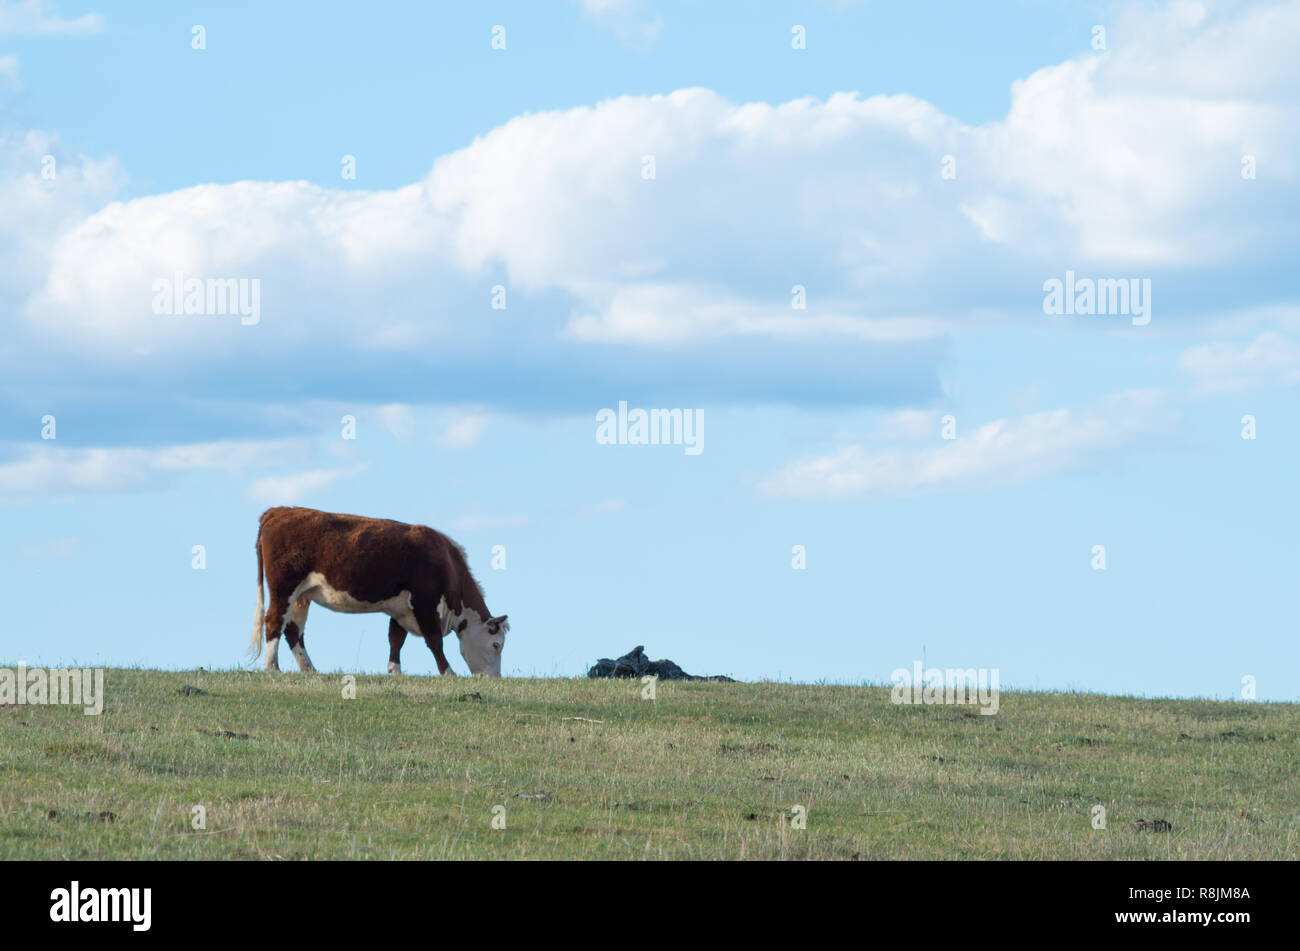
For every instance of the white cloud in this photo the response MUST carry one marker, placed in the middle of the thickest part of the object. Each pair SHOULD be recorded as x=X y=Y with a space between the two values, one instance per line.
x=730 y=211
x=290 y=488
x=314 y=252
x=1121 y=162
x=1134 y=155
x=463 y=429
x=997 y=452
x=451 y=427
x=549 y=198
x=36 y=208
x=37 y=17
x=674 y=314
x=1220 y=367
x=627 y=19
x=46 y=468
x=398 y=419
x=600 y=7
x=909 y=424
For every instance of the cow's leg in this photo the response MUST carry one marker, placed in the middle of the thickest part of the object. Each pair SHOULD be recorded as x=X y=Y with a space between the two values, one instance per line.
x=431 y=628
x=434 y=641
x=396 y=638
x=293 y=632
x=276 y=612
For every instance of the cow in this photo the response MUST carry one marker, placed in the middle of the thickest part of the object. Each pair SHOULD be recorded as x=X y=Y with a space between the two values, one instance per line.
x=417 y=576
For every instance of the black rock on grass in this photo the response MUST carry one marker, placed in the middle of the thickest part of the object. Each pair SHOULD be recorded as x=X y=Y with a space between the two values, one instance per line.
x=635 y=664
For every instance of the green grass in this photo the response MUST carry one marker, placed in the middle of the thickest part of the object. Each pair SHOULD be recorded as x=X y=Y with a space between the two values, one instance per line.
x=413 y=767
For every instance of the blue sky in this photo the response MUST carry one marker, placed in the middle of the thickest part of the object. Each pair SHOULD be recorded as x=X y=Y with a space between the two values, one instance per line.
x=773 y=167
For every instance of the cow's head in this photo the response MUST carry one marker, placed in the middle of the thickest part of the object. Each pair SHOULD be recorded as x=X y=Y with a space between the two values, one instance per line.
x=481 y=643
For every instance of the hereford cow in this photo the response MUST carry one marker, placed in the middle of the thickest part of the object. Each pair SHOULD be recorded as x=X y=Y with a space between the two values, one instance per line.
x=415 y=575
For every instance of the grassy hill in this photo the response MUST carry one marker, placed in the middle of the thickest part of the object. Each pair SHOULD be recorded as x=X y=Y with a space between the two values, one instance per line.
x=285 y=767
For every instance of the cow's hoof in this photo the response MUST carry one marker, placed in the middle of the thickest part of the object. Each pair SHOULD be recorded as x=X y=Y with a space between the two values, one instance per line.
x=394 y=668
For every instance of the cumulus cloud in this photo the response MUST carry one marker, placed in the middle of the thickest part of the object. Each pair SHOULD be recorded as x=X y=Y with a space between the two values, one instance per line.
x=1125 y=159
x=1000 y=451
x=1134 y=155
x=649 y=228
x=729 y=223
x=45 y=190
x=322 y=259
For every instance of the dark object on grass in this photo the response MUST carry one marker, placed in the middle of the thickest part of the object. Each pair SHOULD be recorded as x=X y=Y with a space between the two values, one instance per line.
x=635 y=664
x=1152 y=825
x=189 y=691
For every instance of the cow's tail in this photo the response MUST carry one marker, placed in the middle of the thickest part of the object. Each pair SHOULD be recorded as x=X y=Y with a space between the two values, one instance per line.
x=255 y=648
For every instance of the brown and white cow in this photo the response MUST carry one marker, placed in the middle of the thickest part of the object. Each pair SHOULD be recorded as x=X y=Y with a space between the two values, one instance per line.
x=417 y=576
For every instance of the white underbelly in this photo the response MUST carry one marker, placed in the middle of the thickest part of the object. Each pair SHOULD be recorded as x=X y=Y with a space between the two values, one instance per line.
x=316 y=589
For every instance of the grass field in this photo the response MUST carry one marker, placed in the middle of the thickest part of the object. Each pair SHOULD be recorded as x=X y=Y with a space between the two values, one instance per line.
x=285 y=767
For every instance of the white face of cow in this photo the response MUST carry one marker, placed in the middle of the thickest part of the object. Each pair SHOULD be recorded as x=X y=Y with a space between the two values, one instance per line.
x=481 y=643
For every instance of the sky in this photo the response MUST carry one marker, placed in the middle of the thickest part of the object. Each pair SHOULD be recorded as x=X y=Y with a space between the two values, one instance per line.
x=826 y=231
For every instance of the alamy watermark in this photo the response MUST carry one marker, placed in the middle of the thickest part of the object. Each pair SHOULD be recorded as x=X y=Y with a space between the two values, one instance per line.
x=210 y=297
x=1088 y=297
x=655 y=427
x=952 y=685
x=37 y=686
x=78 y=904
